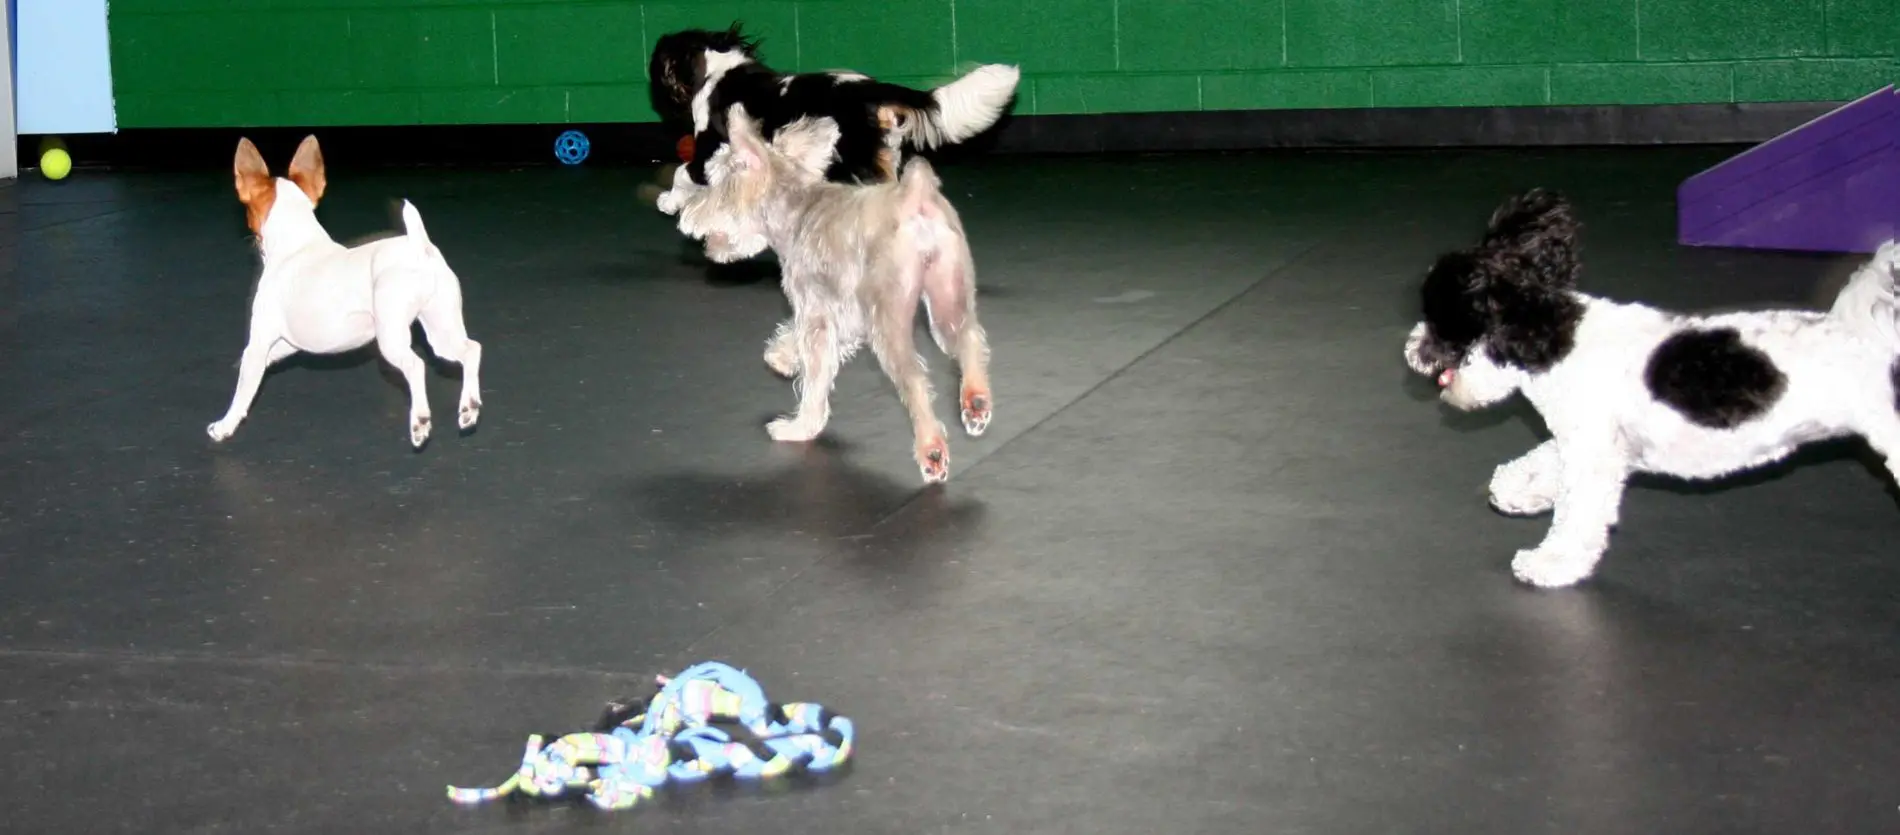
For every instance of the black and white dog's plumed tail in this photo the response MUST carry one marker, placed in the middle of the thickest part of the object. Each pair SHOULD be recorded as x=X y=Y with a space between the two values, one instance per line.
x=963 y=108
x=697 y=76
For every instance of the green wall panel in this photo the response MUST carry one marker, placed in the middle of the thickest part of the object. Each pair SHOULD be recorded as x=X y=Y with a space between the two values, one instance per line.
x=188 y=63
x=1460 y=87
x=1692 y=30
x=1862 y=27
x=891 y=38
x=1640 y=83
x=1201 y=34
x=1366 y=33
x=1122 y=93
x=1546 y=31
x=1810 y=80
x=568 y=44
x=410 y=48
x=1302 y=89
x=1043 y=36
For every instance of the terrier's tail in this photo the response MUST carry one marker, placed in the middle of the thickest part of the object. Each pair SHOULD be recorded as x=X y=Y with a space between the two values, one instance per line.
x=961 y=109
x=922 y=210
x=1870 y=303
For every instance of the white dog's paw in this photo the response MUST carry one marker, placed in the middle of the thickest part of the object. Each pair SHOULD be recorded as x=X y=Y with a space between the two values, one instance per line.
x=418 y=430
x=1520 y=492
x=471 y=411
x=791 y=430
x=222 y=430
x=1553 y=567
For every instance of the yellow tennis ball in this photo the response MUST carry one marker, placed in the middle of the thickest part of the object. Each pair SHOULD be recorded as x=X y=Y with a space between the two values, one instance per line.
x=56 y=164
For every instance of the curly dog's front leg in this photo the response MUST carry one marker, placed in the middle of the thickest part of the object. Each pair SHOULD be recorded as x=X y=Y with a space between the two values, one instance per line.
x=1590 y=483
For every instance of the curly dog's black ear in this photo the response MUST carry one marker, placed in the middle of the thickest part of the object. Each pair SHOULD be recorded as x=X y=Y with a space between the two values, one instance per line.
x=1538 y=227
x=1533 y=322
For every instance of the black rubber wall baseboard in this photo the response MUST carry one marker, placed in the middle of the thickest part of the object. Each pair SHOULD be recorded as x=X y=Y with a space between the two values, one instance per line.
x=647 y=144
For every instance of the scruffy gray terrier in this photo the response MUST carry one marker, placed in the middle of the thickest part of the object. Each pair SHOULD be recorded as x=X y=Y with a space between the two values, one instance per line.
x=856 y=260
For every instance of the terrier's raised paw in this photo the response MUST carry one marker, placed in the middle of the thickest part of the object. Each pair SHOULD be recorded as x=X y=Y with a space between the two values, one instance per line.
x=790 y=430
x=976 y=412
x=933 y=460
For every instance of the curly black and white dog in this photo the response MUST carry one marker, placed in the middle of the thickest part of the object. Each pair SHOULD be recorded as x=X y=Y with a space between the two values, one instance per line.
x=1627 y=388
x=697 y=75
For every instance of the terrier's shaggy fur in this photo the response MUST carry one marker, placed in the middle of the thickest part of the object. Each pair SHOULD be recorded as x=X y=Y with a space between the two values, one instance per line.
x=857 y=261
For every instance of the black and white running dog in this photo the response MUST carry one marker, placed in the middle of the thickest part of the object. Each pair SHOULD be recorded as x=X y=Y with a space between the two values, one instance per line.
x=697 y=75
x=1627 y=388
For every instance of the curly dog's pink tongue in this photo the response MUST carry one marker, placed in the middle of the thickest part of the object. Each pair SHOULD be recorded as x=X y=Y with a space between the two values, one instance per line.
x=1444 y=377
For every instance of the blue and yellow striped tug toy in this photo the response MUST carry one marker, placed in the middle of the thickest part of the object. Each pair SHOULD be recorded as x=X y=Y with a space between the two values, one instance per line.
x=675 y=740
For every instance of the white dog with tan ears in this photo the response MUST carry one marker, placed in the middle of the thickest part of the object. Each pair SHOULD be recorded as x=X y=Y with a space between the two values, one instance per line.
x=1627 y=388
x=320 y=297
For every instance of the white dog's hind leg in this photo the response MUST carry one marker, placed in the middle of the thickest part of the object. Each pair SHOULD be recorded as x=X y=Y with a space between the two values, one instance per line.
x=263 y=351
x=448 y=337
x=392 y=338
x=1527 y=485
x=1590 y=488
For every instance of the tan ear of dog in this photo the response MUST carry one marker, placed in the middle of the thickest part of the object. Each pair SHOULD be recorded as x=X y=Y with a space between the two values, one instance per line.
x=255 y=188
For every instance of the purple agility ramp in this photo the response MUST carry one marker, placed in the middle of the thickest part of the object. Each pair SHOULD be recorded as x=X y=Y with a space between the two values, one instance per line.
x=1831 y=185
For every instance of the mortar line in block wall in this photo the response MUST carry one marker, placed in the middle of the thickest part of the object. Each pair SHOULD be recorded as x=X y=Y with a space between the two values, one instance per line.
x=1285 y=58
x=798 y=40
x=494 y=49
x=1638 y=8
x=1458 y=27
x=1115 y=8
x=953 y=36
x=645 y=71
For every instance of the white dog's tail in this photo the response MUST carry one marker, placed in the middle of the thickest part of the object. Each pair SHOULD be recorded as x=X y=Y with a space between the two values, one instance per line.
x=412 y=226
x=963 y=108
x=1870 y=303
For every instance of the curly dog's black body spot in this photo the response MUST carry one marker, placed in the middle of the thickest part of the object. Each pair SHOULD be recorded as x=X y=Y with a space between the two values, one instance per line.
x=1713 y=378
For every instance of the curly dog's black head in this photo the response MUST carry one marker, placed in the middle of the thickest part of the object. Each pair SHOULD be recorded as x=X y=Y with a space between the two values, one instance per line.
x=678 y=65
x=1511 y=293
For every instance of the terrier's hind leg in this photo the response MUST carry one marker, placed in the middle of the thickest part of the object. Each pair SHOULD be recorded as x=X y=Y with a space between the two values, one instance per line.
x=818 y=348
x=781 y=351
x=893 y=340
x=950 y=299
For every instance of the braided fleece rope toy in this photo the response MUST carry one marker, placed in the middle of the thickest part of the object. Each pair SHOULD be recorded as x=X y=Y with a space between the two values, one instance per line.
x=676 y=740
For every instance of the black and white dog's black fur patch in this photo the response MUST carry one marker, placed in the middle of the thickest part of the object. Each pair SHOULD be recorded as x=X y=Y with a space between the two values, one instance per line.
x=697 y=75
x=1627 y=388
x=1713 y=378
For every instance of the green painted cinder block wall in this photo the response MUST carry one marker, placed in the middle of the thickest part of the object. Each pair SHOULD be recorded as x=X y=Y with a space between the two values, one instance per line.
x=223 y=63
